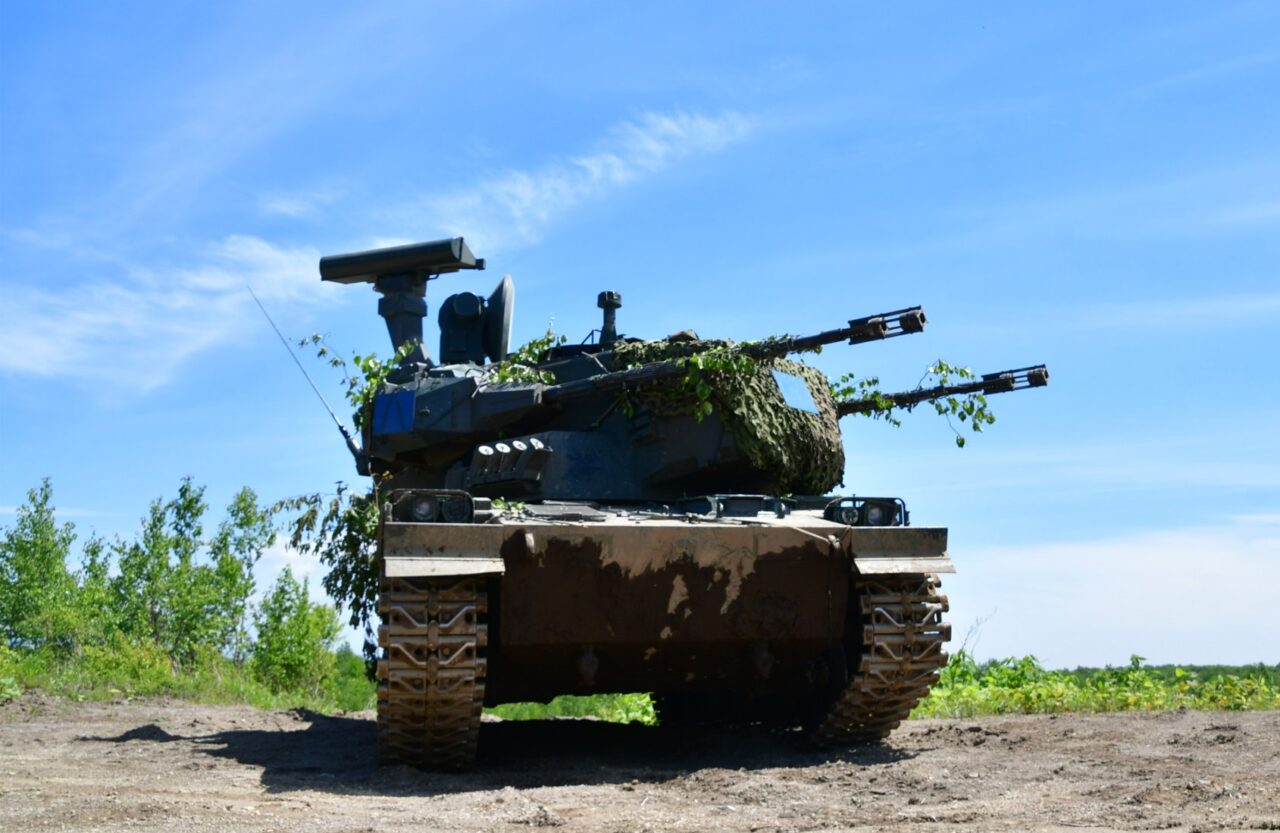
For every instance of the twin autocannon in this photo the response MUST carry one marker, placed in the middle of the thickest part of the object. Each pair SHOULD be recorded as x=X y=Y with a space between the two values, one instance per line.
x=462 y=396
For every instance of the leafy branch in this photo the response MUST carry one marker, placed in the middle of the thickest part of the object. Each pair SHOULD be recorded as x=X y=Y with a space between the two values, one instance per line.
x=520 y=366
x=370 y=374
x=341 y=530
x=850 y=388
x=970 y=408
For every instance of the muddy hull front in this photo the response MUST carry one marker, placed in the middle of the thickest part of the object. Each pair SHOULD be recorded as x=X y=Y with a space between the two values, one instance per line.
x=765 y=611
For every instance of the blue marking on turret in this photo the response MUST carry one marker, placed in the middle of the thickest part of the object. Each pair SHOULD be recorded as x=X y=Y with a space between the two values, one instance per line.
x=393 y=413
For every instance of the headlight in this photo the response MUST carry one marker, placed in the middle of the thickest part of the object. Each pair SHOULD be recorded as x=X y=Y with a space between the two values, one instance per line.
x=424 y=509
x=868 y=511
x=457 y=509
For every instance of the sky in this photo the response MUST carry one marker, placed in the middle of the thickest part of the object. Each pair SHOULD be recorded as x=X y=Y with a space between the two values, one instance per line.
x=1091 y=185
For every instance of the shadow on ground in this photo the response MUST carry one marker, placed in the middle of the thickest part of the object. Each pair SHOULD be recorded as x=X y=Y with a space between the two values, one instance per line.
x=336 y=754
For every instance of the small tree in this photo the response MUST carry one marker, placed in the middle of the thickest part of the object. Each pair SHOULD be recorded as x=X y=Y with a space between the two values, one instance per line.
x=37 y=591
x=238 y=545
x=177 y=591
x=294 y=649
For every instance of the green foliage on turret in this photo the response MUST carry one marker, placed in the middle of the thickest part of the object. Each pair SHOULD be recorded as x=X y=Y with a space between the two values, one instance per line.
x=801 y=450
x=522 y=365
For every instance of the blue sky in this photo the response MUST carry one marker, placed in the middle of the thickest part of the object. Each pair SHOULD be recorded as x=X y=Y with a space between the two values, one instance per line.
x=1091 y=185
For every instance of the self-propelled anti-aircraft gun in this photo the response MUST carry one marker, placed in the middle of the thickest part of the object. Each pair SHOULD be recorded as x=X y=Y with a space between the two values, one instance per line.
x=630 y=515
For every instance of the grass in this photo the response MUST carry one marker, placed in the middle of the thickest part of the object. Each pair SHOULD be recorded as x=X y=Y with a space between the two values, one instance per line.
x=1022 y=686
x=967 y=688
x=1018 y=685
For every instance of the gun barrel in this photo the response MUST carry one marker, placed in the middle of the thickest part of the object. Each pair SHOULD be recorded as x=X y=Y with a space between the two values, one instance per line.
x=860 y=330
x=615 y=380
x=872 y=328
x=1006 y=380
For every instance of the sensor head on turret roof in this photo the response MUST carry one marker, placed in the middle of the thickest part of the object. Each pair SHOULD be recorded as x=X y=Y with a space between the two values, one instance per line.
x=400 y=274
x=422 y=260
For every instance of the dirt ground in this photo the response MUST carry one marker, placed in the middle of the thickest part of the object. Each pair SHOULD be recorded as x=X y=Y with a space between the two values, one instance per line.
x=161 y=765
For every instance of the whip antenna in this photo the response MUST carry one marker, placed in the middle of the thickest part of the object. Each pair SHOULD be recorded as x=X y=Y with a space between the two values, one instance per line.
x=352 y=445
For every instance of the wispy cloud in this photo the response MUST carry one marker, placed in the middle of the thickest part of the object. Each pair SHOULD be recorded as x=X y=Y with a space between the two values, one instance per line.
x=517 y=206
x=1262 y=518
x=135 y=332
x=1214 y=71
x=297 y=204
x=1204 y=312
x=227 y=116
x=1234 y=199
x=134 y=329
x=1172 y=596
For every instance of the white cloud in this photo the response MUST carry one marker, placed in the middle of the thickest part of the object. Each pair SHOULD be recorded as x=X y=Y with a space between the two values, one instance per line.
x=136 y=333
x=1190 y=595
x=280 y=555
x=516 y=207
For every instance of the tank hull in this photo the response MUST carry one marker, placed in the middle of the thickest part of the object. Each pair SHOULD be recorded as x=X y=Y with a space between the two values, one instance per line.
x=762 y=611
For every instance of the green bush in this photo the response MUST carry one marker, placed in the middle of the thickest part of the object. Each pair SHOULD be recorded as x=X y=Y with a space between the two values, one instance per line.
x=350 y=688
x=294 y=648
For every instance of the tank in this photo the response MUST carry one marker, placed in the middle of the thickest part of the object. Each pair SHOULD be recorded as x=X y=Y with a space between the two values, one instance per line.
x=625 y=515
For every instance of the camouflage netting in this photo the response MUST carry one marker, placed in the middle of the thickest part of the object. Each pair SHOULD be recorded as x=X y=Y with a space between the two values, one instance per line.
x=801 y=450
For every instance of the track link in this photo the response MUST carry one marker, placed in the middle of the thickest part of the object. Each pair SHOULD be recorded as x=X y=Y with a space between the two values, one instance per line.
x=901 y=657
x=431 y=679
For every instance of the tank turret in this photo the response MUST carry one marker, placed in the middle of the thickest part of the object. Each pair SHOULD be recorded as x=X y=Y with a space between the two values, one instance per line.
x=617 y=419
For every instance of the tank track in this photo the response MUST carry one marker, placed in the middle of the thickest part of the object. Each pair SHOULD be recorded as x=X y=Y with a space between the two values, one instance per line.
x=431 y=680
x=901 y=657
